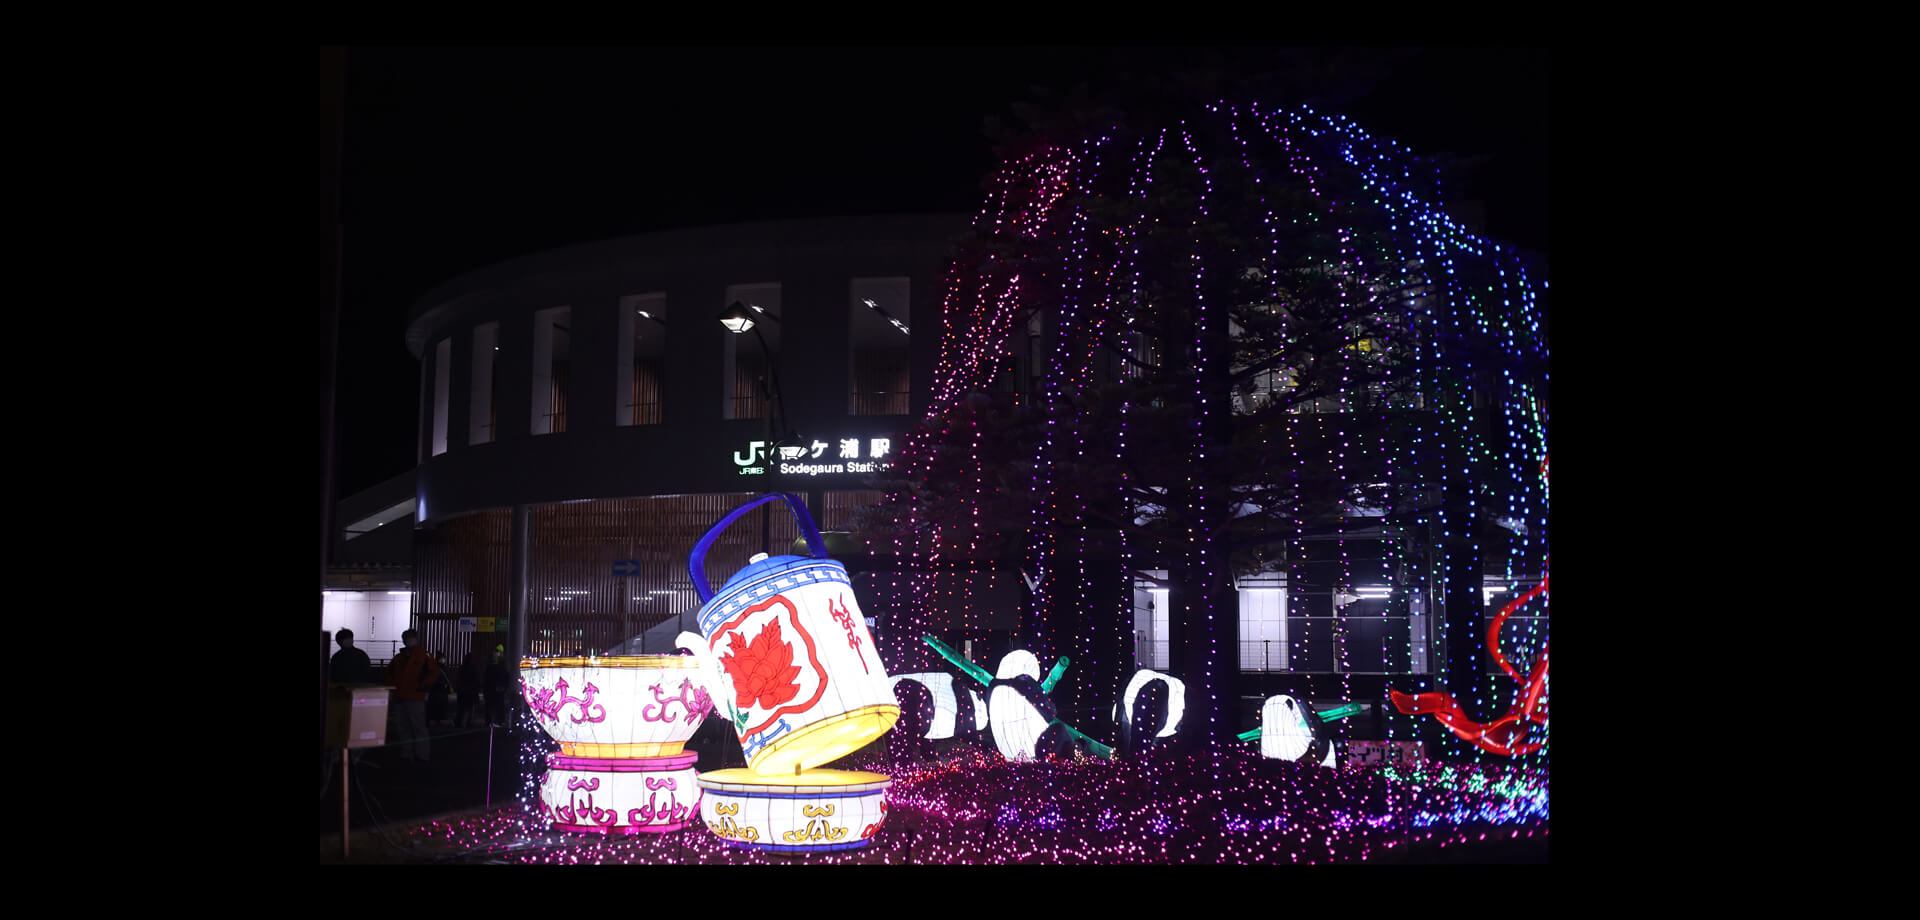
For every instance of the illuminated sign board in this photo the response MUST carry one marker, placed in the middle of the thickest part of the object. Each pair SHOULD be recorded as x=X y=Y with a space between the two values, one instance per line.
x=817 y=458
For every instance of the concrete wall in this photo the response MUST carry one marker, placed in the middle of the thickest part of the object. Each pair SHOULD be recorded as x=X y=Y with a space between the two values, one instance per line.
x=815 y=263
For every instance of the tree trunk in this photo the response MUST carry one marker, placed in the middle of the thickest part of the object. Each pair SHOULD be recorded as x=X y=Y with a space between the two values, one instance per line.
x=1209 y=632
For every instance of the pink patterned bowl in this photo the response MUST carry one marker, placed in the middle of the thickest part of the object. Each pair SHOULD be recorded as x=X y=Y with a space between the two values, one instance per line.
x=648 y=795
x=619 y=707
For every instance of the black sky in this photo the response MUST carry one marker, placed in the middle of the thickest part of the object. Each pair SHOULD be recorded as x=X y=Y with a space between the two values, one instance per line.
x=456 y=158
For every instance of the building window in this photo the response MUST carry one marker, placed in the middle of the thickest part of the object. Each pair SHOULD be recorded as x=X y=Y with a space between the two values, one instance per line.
x=486 y=345
x=551 y=330
x=878 y=335
x=1151 y=628
x=643 y=353
x=1263 y=626
x=442 y=384
x=745 y=380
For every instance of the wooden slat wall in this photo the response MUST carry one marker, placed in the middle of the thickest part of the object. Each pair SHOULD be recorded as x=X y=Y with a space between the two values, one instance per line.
x=645 y=400
x=747 y=399
x=880 y=382
x=578 y=605
x=461 y=570
x=557 y=401
x=841 y=507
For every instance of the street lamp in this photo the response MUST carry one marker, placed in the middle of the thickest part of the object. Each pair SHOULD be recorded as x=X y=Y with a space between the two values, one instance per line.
x=739 y=319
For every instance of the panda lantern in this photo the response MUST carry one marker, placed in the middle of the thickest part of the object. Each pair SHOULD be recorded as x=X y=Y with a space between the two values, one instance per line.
x=1024 y=721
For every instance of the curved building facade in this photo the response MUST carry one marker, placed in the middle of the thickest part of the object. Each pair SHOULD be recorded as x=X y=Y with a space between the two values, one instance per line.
x=586 y=416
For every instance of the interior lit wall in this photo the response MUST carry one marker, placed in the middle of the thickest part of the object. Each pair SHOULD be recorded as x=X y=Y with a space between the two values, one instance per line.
x=372 y=615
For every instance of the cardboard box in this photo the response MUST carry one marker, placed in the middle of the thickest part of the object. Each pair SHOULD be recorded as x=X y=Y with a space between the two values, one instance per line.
x=357 y=715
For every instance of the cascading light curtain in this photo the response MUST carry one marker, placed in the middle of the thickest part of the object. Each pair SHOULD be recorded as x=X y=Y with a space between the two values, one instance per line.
x=1445 y=434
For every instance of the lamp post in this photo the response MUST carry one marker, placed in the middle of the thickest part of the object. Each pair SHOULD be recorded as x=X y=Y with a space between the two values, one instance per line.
x=739 y=320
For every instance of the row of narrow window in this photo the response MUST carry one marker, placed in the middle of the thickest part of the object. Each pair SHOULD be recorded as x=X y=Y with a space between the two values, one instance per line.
x=879 y=356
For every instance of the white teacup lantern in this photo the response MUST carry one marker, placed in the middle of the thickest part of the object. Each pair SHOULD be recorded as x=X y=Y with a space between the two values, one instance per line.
x=610 y=796
x=812 y=811
x=622 y=723
x=617 y=707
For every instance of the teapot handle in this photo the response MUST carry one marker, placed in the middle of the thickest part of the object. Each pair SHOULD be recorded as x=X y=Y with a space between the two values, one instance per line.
x=696 y=562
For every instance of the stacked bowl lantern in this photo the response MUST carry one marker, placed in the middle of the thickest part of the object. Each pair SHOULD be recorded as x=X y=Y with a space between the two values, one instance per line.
x=622 y=723
x=792 y=668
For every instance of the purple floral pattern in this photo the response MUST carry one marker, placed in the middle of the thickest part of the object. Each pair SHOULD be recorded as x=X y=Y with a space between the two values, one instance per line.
x=542 y=701
x=693 y=699
x=658 y=812
x=581 y=810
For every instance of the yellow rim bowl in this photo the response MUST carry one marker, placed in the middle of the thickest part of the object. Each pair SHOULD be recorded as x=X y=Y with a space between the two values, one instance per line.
x=622 y=661
x=826 y=741
x=621 y=751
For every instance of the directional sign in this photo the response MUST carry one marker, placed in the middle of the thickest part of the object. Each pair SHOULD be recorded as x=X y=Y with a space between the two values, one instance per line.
x=626 y=566
x=469 y=624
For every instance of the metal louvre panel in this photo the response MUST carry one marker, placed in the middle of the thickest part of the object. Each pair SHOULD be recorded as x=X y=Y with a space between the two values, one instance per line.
x=576 y=603
x=645 y=399
x=460 y=570
x=842 y=506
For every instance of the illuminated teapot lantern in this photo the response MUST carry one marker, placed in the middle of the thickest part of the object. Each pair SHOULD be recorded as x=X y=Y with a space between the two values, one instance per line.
x=622 y=723
x=792 y=667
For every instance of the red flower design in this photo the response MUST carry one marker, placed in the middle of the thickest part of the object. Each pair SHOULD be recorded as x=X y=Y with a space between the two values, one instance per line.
x=763 y=671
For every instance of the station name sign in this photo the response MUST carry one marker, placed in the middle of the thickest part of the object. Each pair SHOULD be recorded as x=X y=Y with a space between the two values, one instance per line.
x=819 y=458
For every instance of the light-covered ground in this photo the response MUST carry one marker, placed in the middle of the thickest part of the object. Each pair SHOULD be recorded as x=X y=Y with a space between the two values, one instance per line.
x=977 y=809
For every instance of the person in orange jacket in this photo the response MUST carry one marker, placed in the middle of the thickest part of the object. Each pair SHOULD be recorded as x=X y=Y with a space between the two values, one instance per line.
x=412 y=673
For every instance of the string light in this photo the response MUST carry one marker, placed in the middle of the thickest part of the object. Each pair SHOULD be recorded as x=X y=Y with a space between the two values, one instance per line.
x=978 y=809
x=1461 y=314
x=1467 y=426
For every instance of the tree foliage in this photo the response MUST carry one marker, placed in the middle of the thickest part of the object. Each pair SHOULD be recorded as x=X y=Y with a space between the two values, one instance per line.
x=1305 y=305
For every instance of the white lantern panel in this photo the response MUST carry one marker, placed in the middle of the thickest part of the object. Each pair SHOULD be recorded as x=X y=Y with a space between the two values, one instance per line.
x=600 y=796
x=1017 y=663
x=1284 y=731
x=620 y=707
x=814 y=811
x=793 y=666
x=1176 y=699
x=1016 y=723
x=946 y=707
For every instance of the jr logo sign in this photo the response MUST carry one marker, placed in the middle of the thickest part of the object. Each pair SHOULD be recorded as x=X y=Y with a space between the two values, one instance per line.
x=816 y=458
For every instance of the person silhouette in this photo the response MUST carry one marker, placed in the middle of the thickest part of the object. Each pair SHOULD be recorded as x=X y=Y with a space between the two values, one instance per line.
x=466 y=690
x=499 y=682
x=349 y=665
x=412 y=674
x=438 y=692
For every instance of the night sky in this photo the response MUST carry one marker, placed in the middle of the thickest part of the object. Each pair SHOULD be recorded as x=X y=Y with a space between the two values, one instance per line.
x=457 y=158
